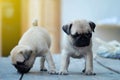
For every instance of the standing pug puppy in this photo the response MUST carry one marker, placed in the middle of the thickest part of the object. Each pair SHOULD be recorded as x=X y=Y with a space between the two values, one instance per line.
x=78 y=44
x=34 y=43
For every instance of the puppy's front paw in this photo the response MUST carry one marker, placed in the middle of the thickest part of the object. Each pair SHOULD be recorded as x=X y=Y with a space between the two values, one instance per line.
x=65 y=72
x=89 y=73
x=53 y=72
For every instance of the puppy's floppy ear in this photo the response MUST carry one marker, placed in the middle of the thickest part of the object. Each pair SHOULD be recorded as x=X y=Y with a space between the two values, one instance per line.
x=67 y=28
x=27 y=54
x=92 y=25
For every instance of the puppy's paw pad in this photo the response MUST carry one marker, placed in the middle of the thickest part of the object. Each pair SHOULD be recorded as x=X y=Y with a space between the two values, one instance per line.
x=44 y=70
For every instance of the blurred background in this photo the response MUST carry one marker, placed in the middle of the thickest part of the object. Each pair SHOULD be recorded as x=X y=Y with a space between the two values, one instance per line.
x=16 y=16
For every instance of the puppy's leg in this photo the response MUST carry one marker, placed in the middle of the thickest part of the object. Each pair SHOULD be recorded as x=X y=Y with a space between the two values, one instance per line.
x=50 y=62
x=30 y=61
x=64 y=64
x=89 y=64
x=42 y=64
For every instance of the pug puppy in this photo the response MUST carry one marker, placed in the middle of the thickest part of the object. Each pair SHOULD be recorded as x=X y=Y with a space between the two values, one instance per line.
x=78 y=44
x=34 y=43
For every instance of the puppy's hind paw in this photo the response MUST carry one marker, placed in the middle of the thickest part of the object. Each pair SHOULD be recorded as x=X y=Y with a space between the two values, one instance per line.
x=83 y=70
x=44 y=70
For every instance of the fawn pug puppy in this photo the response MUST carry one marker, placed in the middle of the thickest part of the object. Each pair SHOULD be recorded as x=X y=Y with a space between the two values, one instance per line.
x=78 y=44
x=34 y=43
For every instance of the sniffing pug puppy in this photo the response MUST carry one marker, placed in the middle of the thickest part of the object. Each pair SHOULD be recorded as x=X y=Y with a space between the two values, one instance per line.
x=78 y=44
x=34 y=43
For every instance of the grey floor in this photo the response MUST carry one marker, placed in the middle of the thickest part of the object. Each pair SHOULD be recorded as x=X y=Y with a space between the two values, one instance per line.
x=105 y=69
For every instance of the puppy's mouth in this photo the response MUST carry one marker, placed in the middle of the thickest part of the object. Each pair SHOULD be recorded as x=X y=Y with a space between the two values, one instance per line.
x=21 y=67
x=81 y=40
x=81 y=43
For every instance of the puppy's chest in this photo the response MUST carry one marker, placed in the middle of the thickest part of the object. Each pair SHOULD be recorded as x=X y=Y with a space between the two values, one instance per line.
x=78 y=53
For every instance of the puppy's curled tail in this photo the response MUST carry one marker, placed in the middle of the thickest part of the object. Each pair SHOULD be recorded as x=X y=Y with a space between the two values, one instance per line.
x=35 y=23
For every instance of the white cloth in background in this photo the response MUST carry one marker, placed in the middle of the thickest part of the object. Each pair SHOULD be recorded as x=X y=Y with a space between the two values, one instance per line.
x=109 y=50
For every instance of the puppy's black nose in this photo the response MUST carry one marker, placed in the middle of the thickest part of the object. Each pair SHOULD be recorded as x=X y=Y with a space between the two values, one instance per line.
x=23 y=70
x=21 y=67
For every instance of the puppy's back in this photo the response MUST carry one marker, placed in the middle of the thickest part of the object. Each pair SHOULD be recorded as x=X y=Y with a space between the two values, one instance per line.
x=35 y=36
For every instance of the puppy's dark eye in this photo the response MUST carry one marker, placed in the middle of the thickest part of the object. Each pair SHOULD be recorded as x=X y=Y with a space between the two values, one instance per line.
x=75 y=35
x=20 y=63
x=88 y=35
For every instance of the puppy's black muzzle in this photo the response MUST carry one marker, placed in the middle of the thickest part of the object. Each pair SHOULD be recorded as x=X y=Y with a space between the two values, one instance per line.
x=21 y=67
x=82 y=40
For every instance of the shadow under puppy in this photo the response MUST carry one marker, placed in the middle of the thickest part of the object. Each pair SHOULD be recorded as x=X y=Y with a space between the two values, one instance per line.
x=78 y=44
x=34 y=43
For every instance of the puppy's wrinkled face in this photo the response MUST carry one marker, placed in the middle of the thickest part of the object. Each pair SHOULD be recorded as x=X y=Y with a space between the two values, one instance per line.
x=19 y=58
x=21 y=67
x=80 y=31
